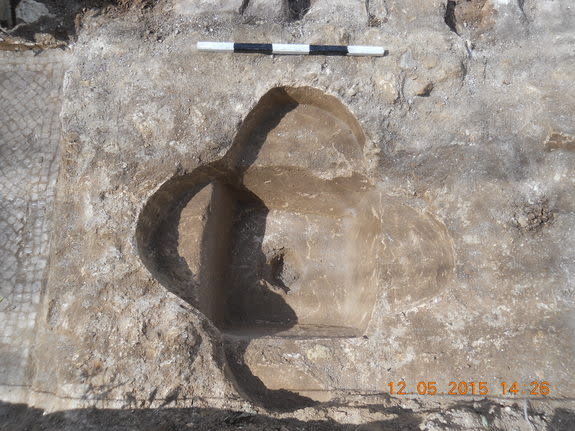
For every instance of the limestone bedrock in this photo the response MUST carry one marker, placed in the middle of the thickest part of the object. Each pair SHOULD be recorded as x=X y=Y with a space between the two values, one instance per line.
x=460 y=122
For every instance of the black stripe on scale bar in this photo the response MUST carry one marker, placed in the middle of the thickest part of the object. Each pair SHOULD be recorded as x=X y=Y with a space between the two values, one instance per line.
x=262 y=48
x=327 y=50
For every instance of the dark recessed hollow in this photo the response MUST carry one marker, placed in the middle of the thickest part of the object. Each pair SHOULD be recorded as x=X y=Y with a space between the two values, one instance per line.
x=258 y=241
x=285 y=234
x=449 y=16
x=295 y=9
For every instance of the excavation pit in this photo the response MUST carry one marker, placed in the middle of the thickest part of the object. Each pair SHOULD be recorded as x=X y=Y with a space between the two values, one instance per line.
x=288 y=237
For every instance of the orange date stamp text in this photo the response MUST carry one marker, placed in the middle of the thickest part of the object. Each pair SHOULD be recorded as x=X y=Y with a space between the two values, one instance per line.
x=534 y=388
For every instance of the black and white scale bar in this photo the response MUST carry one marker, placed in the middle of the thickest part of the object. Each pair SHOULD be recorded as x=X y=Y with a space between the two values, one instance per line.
x=291 y=48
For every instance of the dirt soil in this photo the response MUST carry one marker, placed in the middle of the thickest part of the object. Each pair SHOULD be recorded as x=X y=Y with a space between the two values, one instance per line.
x=264 y=242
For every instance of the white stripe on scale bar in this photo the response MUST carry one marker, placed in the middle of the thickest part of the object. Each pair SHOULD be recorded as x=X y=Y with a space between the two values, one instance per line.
x=365 y=50
x=216 y=46
x=290 y=48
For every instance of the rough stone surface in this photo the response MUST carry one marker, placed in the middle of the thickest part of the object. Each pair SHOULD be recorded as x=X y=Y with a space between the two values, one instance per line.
x=468 y=121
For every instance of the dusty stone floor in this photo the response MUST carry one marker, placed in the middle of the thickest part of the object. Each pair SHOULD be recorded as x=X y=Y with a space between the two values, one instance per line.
x=265 y=242
x=30 y=102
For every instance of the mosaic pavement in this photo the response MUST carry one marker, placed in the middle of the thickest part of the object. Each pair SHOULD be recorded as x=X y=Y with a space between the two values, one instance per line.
x=30 y=99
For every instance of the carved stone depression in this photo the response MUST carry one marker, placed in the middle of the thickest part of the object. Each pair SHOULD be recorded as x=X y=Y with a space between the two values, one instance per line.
x=287 y=238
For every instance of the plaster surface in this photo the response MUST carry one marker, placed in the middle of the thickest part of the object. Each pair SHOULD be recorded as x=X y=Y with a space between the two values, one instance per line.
x=467 y=146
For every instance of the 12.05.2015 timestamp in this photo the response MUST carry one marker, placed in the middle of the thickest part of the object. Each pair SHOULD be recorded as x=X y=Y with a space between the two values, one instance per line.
x=534 y=388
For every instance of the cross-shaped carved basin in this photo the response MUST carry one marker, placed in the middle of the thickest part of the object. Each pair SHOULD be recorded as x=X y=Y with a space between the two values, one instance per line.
x=288 y=236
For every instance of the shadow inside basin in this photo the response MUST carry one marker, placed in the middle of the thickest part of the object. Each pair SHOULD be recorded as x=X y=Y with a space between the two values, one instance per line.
x=247 y=280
